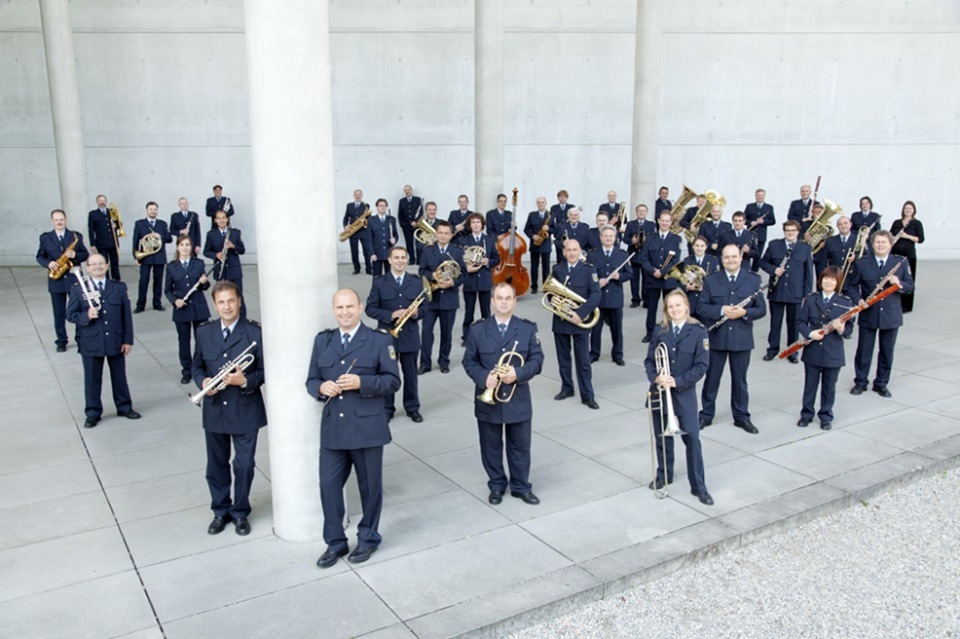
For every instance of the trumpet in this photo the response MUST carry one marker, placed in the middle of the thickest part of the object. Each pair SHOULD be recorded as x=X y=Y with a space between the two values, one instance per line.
x=426 y=293
x=493 y=395
x=474 y=255
x=218 y=382
x=424 y=233
x=89 y=291
x=448 y=271
x=64 y=263
x=149 y=244
x=661 y=401
x=356 y=225
x=563 y=302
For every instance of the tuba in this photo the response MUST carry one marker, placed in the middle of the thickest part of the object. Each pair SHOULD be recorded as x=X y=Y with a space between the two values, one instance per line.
x=820 y=228
x=424 y=233
x=149 y=244
x=493 y=395
x=562 y=302
x=676 y=212
x=689 y=274
x=446 y=272
x=714 y=200
x=356 y=225
x=661 y=401
x=64 y=263
x=427 y=294
x=474 y=255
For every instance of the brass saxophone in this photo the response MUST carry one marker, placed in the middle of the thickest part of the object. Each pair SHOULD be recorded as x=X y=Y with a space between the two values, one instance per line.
x=356 y=225
x=64 y=263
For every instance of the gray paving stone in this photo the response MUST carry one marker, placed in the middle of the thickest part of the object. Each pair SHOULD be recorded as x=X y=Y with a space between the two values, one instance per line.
x=142 y=465
x=54 y=481
x=822 y=457
x=396 y=631
x=908 y=431
x=54 y=518
x=943 y=450
x=787 y=511
x=884 y=474
x=427 y=439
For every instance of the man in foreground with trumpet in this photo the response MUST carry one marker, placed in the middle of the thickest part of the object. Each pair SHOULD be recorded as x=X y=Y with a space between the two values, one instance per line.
x=573 y=294
x=678 y=358
x=228 y=366
x=503 y=354
x=60 y=250
x=150 y=237
x=395 y=301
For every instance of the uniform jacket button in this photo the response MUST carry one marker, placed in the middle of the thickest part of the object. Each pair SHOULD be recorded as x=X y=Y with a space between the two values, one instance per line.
x=341 y=414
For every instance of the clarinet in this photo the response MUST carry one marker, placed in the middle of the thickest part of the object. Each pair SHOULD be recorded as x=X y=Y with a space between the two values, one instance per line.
x=783 y=265
x=741 y=304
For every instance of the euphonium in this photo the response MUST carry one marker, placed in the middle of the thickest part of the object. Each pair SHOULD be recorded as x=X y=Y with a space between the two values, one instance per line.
x=64 y=263
x=474 y=255
x=149 y=244
x=689 y=274
x=218 y=381
x=714 y=200
x=677 y=211
x=562 y=302
x=411 y=310
x=493 y=395
x=820 y=228
x=356 y=225
x=448 y=270
x=424 y=233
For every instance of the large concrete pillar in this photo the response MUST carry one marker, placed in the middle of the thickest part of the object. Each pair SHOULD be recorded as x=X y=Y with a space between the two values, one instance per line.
x=646 y=103
x=291 y=129
x=65 y=106
x=488 y=101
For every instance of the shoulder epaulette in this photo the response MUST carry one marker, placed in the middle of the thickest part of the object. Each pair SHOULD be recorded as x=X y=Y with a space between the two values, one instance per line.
x=255 y=323
x=525 y=320
x=211 y=321
x=328 y=330
x=382 y=330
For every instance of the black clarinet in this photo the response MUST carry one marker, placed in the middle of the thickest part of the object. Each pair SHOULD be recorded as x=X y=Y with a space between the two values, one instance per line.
x=783 y=265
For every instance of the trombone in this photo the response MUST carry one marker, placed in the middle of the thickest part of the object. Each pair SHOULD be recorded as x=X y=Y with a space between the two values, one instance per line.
x=493 y=395
x=661 y=401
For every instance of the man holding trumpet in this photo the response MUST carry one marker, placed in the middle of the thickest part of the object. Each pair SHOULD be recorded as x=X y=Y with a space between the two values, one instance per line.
x=233 y=409
x=503 y=354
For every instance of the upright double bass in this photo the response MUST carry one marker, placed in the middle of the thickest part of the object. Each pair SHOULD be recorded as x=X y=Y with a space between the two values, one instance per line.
x=511 y=248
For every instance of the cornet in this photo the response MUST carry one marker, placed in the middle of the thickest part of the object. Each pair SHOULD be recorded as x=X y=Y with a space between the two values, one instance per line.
x=218 y=382
x=493 y=395
x=661 y=401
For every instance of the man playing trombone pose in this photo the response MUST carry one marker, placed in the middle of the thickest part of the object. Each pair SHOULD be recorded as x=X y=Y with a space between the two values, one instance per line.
x=234 y=413
x=391 y=298
x=152 y=262
x=503 y=354
x=103 y=236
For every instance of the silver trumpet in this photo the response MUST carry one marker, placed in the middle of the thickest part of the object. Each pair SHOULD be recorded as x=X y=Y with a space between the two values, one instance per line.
x=218 y=381
x=90 y=292
x=661 y=401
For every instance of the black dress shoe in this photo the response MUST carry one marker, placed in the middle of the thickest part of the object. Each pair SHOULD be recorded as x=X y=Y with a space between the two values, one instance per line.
x=185 y=379
x=61 y=348
x=882 y=391
x=130 y=414
x=562 y=395
x=594 y=360
x=769 y=356
x=646 y=339
x=444 y=369
x=330 y=557
x=495 y=497
x=415 y=416
x=746 y=425
x=589 y=403
x=356 y=272
x=159 y=307
x=658 y=484
x=527 y=498
x=643 y=304
x=793 y=359
x=533 y=289
x=243 y=527
x=705 y=422
x=91 y=422
x=850 y=336
x=619 y=362
x=137 y=310
x=826 y=425
x=217 y=525
x=705 y=499
x=634 y=304
x=803 y=423
x=423 y=369
x=361 y=553
x=857 y=390
x=463 y=342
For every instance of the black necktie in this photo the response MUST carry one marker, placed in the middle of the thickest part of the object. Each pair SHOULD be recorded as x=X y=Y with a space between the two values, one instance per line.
x=608 y=253
x=185 y=265
x=503 y=330
x=399 y=281
x=226 y=334
x=882 y=262
x=676 y=332
x=151 y=223
x=100 y=287
x=346 y=340
x=223 y=233
x=733 y=279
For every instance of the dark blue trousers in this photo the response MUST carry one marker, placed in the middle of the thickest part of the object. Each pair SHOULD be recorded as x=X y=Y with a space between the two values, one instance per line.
x=612 y=317
x=412 y=248
x=93 y=384
x=652 y=297
x=777 y=310
x=470 y=302
x=755 y=259
x=518 y=455
x=145 y=271
x=864 y=357
x=691 y=441
x=110 y=253
x=335 y=468
x=411 y=398
x=539 y=269
x=218 y=472
x=638 y=281
x=430 y=317
x=59 y=302
x=380 y=267
x=357 y=242
x=739 y=395
x=183 y=344
x=581 y=353
x=826 y=379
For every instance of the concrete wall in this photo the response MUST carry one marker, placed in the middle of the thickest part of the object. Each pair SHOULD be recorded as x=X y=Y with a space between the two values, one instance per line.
x=755 y=93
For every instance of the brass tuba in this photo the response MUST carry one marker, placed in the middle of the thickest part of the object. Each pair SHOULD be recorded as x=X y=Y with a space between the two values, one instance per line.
x=446 y=272
x=493 y=395
x=474 y=255
x=424 y=233
x=356 y=225
x=411 y=310
x=714 y=200
x=689 y=274
x=676 y=212
x=562 y=302
x=820 y=229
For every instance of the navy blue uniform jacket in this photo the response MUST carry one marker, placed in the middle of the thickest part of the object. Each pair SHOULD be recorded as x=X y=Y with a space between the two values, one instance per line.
x=733 y=335
x=559 y=213
x=753 y=213
x=51 y=249
x=815 y=314
x=799 y=210
x=351 y=213
x=176 y=284
x=713 y=232
x=215 y=204
x=797 y=280
x=859 y=219
x=498 y=223
x=103 y=336
x=746 y=238
x=643 y=227
x=533 y=226
x=98 y=227
x=612 y=293
x=407 y=211
x=233 y=410
x=580 y=234
x=654 y=257
x=380 y=234
x=214 y=245
x=455 y=217
x=444 y=299
x=484 y=348
x=584 y=282
x=141 y=229
x=866 y=274
x=386 y=297
x=482 y=280
x=178 y=222
x=357 y=418
x=689 y=360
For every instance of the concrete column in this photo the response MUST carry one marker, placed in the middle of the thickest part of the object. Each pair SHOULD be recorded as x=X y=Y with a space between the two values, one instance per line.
x=291 y=128
x=65 y=106
x=646 y=104
x=488 y=100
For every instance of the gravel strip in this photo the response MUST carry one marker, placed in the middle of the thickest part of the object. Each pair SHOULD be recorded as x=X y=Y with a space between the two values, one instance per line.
x=888 y=568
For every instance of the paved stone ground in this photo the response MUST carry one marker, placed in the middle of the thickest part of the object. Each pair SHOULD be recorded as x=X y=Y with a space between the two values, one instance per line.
x=104 y=530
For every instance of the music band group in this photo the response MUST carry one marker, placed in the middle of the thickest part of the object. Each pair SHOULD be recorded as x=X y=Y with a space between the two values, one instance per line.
x=818 y=281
